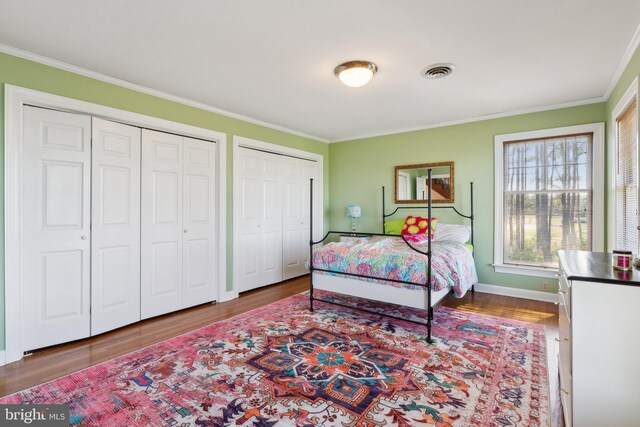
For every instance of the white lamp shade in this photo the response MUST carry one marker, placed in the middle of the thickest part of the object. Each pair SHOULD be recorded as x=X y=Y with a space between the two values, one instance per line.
x=356 y=77
x=354 y=211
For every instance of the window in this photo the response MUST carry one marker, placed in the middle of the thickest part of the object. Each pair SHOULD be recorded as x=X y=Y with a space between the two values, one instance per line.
x=627 y=178
x=546 y=199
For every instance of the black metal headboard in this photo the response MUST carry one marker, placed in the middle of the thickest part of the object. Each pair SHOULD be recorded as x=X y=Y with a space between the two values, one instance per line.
x=469 y=217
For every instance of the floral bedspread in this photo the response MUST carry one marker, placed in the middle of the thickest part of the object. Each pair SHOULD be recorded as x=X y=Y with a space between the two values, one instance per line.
x=452 y=264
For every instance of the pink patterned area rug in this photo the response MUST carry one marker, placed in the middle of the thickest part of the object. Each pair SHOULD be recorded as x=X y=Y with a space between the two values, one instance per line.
x=284 y=366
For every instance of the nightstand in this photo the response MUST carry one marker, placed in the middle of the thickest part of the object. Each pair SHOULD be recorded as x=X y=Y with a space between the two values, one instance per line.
x=354 y=237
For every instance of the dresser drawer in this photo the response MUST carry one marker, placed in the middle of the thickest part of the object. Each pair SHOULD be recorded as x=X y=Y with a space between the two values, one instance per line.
x=567 y=404
x=564 y=341
x=565 y=362
x=563 y=283
x=564 y=292
x=564 y=301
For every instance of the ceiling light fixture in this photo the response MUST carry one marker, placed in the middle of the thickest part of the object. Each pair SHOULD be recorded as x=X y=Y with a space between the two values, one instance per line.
x=355 y=73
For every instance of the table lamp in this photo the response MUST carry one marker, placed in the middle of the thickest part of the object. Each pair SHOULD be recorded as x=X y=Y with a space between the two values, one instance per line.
x=353 y=212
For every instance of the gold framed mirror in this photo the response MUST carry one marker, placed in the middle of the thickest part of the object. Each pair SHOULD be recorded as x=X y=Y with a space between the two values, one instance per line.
x=411 y=183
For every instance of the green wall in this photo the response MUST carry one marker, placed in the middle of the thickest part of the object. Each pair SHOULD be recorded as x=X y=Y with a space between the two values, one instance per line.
x=28 y=74
x=359 y=169
x=630 y=72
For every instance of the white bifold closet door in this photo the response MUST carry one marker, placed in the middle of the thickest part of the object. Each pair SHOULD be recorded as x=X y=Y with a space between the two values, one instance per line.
x=258 y=210
x=178 y=251
x=115 y=230
x=296 y=218
x=198 y=245
x=272 y=220
x=55 y=227
x=98 y=254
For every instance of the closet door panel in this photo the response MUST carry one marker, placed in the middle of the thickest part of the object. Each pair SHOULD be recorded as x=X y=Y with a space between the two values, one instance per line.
x=199 y=258
x=55 y=227
x=250 y=263
x=249 y=230
x=309 y=170
x=292 y=219
x=165 y=273
x=296 y=216
x=271 y=223
x=115 y=242
x=162 y=232
x=291 y=244
x=248 y=208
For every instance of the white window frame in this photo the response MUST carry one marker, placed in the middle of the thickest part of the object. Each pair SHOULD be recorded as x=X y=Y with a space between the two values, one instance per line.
x=629 y=96
x=597 y=225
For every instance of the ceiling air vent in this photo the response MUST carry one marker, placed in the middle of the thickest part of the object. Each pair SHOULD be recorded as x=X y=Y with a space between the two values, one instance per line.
x=437 y=71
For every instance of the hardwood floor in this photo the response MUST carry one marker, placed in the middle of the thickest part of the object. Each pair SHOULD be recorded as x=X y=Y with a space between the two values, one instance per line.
x=50 y=363
x=53 y=362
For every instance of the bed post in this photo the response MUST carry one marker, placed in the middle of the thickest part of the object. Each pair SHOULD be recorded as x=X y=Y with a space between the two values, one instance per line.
x=473 y=248
x=429 y=309
x=383 y=211
x=311 y=245
x=472 y=215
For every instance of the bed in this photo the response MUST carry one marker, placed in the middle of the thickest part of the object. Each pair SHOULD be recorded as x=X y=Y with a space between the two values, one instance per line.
x=393 y=269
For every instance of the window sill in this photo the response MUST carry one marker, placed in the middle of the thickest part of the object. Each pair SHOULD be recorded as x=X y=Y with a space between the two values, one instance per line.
x=523 y=270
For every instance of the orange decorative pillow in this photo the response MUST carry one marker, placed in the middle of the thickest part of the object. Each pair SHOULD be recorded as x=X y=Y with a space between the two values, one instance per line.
x=418 y=225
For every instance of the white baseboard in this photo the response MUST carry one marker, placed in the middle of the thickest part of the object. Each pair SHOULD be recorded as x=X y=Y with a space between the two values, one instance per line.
x=517 y=293
x=3 y=358
x=228 y=296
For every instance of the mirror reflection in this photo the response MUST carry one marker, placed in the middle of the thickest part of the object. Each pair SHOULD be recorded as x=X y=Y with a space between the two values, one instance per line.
x=412 y=187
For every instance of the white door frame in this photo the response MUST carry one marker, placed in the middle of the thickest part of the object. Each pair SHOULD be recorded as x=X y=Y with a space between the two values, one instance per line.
x=15 y=98
x=406 y=176
x=318 y=214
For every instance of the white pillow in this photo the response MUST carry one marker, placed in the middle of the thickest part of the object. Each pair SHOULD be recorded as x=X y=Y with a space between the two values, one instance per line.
x=452 y=233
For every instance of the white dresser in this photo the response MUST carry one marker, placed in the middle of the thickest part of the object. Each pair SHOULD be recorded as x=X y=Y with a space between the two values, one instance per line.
x=599 y=341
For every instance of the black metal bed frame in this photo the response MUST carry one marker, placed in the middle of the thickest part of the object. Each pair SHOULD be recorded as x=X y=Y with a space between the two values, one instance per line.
x=426 y=285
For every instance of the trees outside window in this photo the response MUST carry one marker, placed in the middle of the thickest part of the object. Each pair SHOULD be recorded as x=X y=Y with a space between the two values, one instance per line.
x=547 y=198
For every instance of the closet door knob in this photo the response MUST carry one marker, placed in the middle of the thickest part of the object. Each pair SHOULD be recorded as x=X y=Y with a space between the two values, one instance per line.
x=259 y=226
x=185 y=231
x=84 y=237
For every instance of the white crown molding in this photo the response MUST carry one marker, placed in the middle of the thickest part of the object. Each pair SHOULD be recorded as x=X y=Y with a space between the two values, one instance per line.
x=628 y=54
x=30 y=56
x=476 y=119
x=631 y=49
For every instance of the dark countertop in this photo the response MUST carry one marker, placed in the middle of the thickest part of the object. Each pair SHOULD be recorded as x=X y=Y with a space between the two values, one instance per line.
x=595 y=267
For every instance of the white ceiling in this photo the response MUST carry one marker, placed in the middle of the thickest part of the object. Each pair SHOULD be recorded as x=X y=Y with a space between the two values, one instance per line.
x=273 y=60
